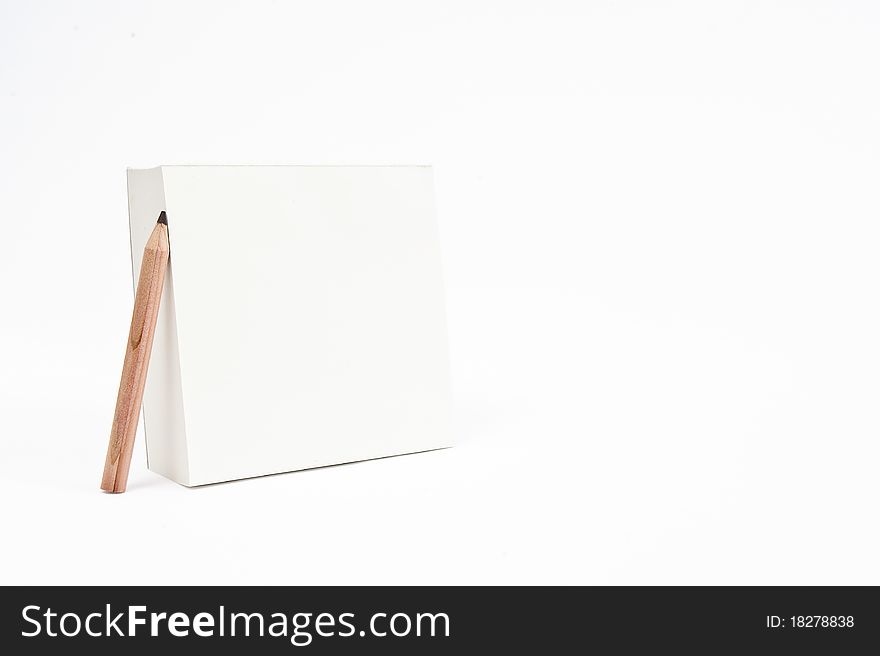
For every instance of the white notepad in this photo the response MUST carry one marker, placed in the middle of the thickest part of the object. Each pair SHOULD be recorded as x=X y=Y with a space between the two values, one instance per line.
x=302 y=321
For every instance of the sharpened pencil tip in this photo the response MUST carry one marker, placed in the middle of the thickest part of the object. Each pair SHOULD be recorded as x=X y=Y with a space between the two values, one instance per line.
x=162 y=218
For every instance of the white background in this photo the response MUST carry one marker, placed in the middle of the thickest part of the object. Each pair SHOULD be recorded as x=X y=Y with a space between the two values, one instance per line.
x=660 y=233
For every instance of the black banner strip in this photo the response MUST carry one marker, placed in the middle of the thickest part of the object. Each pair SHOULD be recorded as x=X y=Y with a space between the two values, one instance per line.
x=440 y=620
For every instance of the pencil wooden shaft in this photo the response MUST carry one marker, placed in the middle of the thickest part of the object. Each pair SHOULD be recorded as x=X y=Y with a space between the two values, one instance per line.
x=137 y=359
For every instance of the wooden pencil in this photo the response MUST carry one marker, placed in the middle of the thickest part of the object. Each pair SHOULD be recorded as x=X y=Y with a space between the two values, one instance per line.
x=137 y=358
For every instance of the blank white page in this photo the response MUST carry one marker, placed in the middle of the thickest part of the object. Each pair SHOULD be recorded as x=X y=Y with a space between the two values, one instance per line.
x=309 y=316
